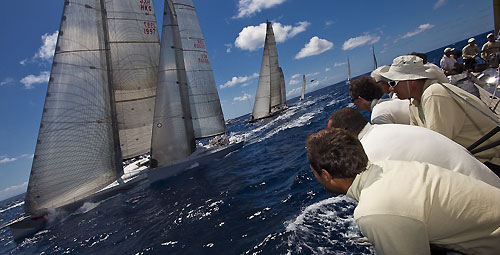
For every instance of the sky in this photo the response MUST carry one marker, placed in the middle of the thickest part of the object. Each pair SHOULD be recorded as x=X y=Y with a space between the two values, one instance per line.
x=314 y=37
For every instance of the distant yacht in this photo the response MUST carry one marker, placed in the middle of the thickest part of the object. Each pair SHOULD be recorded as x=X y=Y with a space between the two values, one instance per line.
x=348 y=72
x=270 y=98
x=303 y=87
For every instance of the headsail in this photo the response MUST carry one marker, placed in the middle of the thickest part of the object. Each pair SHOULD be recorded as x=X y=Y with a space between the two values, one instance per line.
x=303 y=87
x=76 y=152
x=173 y=134
x=283 y=89
x=135 y=50
x=206 y=111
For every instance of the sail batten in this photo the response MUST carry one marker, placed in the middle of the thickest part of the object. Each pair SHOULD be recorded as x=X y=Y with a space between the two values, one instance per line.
x=76 y=152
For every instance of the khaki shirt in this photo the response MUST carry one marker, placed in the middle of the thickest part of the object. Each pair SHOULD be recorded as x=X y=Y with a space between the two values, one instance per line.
x=441 y=112
x=469 y=51
x=490 y=48
x=401 y=212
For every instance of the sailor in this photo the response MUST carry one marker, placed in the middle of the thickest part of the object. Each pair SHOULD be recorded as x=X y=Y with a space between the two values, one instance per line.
x=490 y=50
x=407 y=212
x=469 y=52
x=448 y=62
x=444 y=108
x=381 y=81
x=366 y=95
x=411 y=143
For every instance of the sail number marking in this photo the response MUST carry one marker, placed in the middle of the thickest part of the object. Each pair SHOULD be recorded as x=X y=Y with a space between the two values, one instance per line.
x=203 y=59
x=199 y=44
x=149 y=27
x=146 y=5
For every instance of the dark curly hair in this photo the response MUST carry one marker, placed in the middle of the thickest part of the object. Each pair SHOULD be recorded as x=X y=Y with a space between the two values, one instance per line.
x=365 y=87
x=337 y=151
x=349 y=119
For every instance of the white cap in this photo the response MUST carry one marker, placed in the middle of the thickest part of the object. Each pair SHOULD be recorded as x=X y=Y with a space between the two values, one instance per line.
x=472 y=40
x=408 y=67
x=448 y=50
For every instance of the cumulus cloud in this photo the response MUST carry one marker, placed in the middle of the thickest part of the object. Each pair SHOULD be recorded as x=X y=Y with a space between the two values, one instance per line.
x=298 y=90
x=252 y=37
x=315 y=46
x=439 y=3
x=237 y=80
x=229 y=46
x=6 y=81
x=30 y=80
x=247 y=8
x=359 y=41
x=5 y=159
x=295 y=79
x=242 y=98
x=13 y=190
x=327 y=69
x=417 y=31
x=46 y=51
x=339 y=64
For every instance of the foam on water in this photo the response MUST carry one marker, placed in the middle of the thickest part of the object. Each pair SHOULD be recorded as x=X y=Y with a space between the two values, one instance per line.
x=12 y=207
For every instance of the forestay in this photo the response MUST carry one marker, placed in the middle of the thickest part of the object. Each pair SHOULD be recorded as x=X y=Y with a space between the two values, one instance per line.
x=135 y=51
x=75 y=153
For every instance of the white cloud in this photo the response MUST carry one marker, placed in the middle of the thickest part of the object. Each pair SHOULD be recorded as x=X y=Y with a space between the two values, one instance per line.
x=295 y=76
x=242 y=98
x=245 y=84
x=252 y=37
x=296 y=91
x=29 y=80
x=312 y=74
x=417 y=31
x=327 y=69
x=315 y=46
x=229 y=47
x=328 y=23
x=13 y=190
x=340 y=64
x=5 y=159
x=6 y=81
x=247 y=8
x=439 y=3
x=46 y=52
x=359 y=41
x=237 y=80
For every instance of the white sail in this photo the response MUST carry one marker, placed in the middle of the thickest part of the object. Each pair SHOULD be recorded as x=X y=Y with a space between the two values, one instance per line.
x=283 y=89
x=303 y=87
x=135 y=48
x=173 y=135
x=375 y=64
x=270 y=89
x=206 y=111
x=348 y=72
x=77 y=151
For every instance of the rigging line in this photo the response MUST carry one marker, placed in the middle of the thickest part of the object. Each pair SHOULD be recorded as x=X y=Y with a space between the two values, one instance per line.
x=118 y=42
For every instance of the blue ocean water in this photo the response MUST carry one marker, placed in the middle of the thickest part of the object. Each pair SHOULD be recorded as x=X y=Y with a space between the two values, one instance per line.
x=262 y=199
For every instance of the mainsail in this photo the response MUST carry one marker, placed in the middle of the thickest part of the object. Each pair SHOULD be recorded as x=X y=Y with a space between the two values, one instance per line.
x=77 y=151
x=271 y=88
x=187 y=103
x=135 y=48
x=303 y=87
x=375 y=65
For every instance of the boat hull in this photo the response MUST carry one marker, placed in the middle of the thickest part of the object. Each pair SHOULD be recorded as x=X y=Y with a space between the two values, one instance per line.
x=162 y=173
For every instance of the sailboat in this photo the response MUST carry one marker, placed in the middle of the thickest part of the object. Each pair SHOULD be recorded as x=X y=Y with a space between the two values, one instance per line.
x=375 y=65
x=187 y=103
x=348 y=72
x=270 y=98
x=303 y=87
x=98 y=107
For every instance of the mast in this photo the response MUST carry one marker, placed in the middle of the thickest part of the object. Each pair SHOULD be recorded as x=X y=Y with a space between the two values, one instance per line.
x=496 y=14
x=303 y=87
x=134 y=47
x=76 y=153
x=173 y=136
x=206 y=110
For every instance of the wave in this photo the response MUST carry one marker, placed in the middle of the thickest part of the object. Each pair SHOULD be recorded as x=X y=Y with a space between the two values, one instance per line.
x=12 y=207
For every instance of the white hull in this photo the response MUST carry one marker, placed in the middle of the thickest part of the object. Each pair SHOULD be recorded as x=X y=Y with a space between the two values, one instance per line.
x=194 y=161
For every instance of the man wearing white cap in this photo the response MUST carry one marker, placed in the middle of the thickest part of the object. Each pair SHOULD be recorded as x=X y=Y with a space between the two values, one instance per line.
x=444 y=108
x=469 y=52
x=448 y=61
x=381 y=81
x=490 y=48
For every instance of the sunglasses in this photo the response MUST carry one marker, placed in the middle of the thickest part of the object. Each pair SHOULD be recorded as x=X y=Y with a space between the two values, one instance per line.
x=393 y=83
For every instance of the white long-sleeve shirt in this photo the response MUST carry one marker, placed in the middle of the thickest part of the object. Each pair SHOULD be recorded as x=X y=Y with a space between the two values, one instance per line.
x=403 y=207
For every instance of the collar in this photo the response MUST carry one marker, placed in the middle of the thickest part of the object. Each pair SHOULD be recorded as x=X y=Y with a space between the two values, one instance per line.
x=364 y=179
x=373 y=103
x=364 y=131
